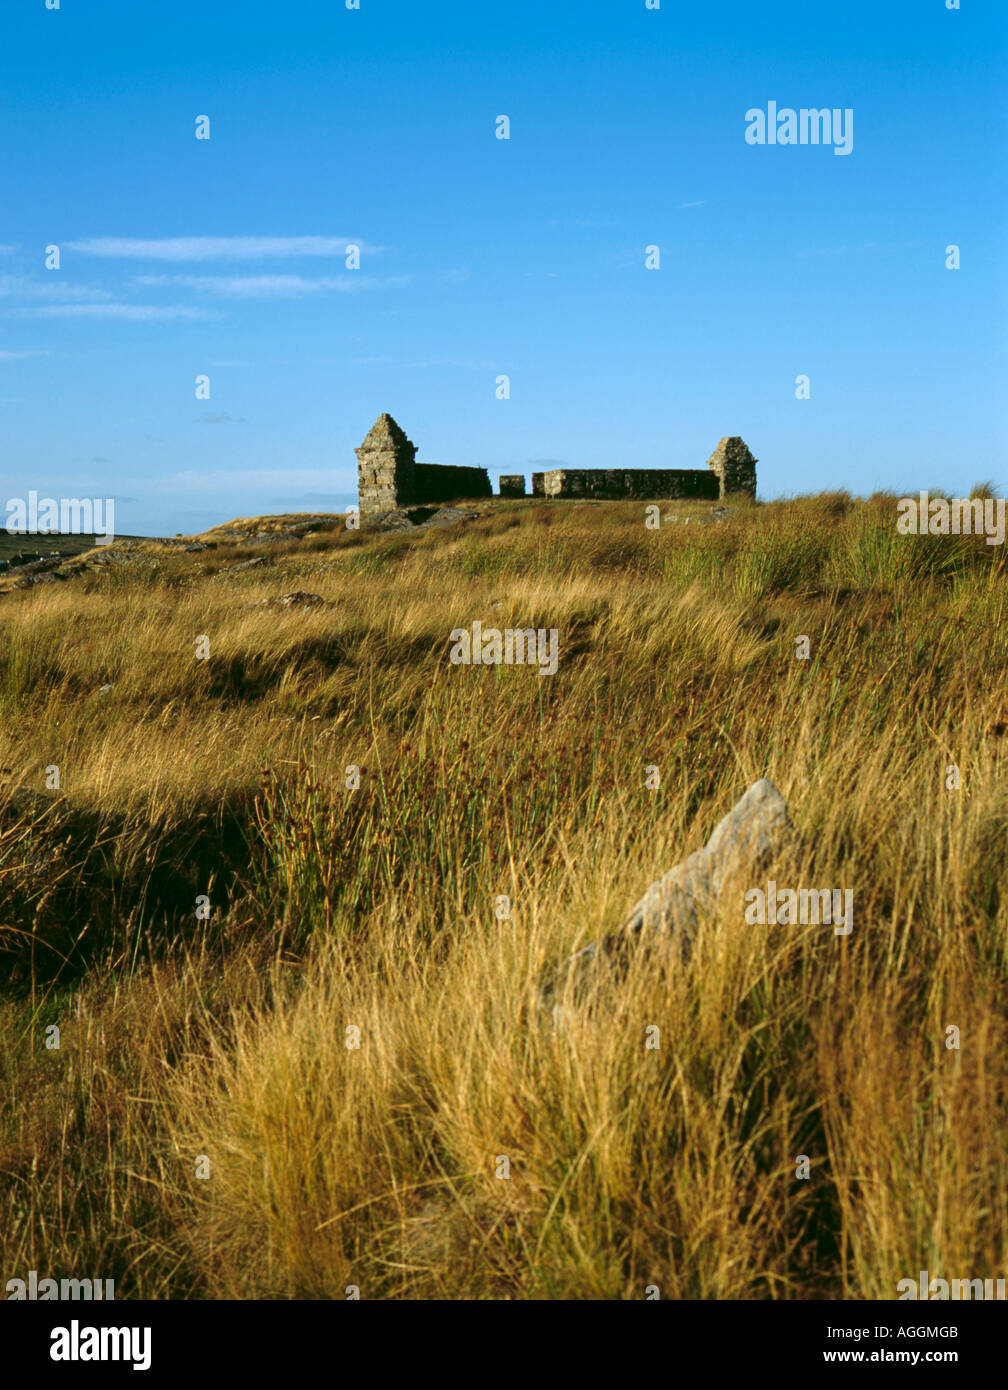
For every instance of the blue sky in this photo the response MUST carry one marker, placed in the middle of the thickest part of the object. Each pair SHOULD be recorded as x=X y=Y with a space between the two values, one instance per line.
x=482 y=257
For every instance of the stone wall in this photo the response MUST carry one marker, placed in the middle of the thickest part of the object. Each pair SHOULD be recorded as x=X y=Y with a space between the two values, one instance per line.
x=441 y=482
x=615 y=483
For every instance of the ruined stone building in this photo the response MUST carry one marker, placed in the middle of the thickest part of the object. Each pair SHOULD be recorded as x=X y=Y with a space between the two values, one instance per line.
x=389 y=478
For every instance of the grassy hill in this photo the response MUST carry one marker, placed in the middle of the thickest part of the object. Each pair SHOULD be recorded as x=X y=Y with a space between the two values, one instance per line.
x=343 y=1049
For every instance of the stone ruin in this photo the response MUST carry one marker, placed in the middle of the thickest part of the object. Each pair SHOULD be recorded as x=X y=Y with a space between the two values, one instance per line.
x=734 y=466
x=389 y=479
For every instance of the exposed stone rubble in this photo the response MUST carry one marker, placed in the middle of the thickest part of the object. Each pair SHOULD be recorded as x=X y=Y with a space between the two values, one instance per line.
x=417 y=518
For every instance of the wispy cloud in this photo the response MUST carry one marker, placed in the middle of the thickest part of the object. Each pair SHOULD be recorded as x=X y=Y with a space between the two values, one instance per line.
x=271 y=286
x=437 y=363
x=213 y=248
x=213 y=417
x=7 y=250
x=10 y=355
x=137 y=313
x=52 y=287
x=698 y=204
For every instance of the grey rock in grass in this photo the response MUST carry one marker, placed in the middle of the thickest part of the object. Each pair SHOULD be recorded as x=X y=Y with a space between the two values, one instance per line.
x=297 y=598
x=255 y=563
x=418 y=518
x=448 y=516
x=748 y=838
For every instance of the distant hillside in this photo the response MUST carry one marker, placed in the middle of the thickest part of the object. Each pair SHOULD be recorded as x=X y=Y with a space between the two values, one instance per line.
x=36 y=546
x=28 y=560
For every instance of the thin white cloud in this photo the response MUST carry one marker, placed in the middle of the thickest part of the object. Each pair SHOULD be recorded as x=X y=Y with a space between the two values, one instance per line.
x=54 y=287
x=213 y=248
x=137 y=313
x=270 y=286
x=439 y=363
x=694 y=205
x=7 y=250
x=7 y=355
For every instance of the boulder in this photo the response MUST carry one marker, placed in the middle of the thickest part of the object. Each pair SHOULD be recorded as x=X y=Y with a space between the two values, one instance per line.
x=753 y=832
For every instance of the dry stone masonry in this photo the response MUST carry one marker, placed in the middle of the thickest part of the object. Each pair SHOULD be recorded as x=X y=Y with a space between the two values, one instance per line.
x=388 y=476
x=734 y=466
x=614 y=483
x=389 y=479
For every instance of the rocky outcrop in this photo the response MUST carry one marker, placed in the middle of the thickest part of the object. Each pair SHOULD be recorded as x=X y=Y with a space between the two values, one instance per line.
x=417 y=518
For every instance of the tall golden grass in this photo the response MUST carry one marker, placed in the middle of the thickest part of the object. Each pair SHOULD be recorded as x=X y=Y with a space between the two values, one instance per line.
x=332 y=909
